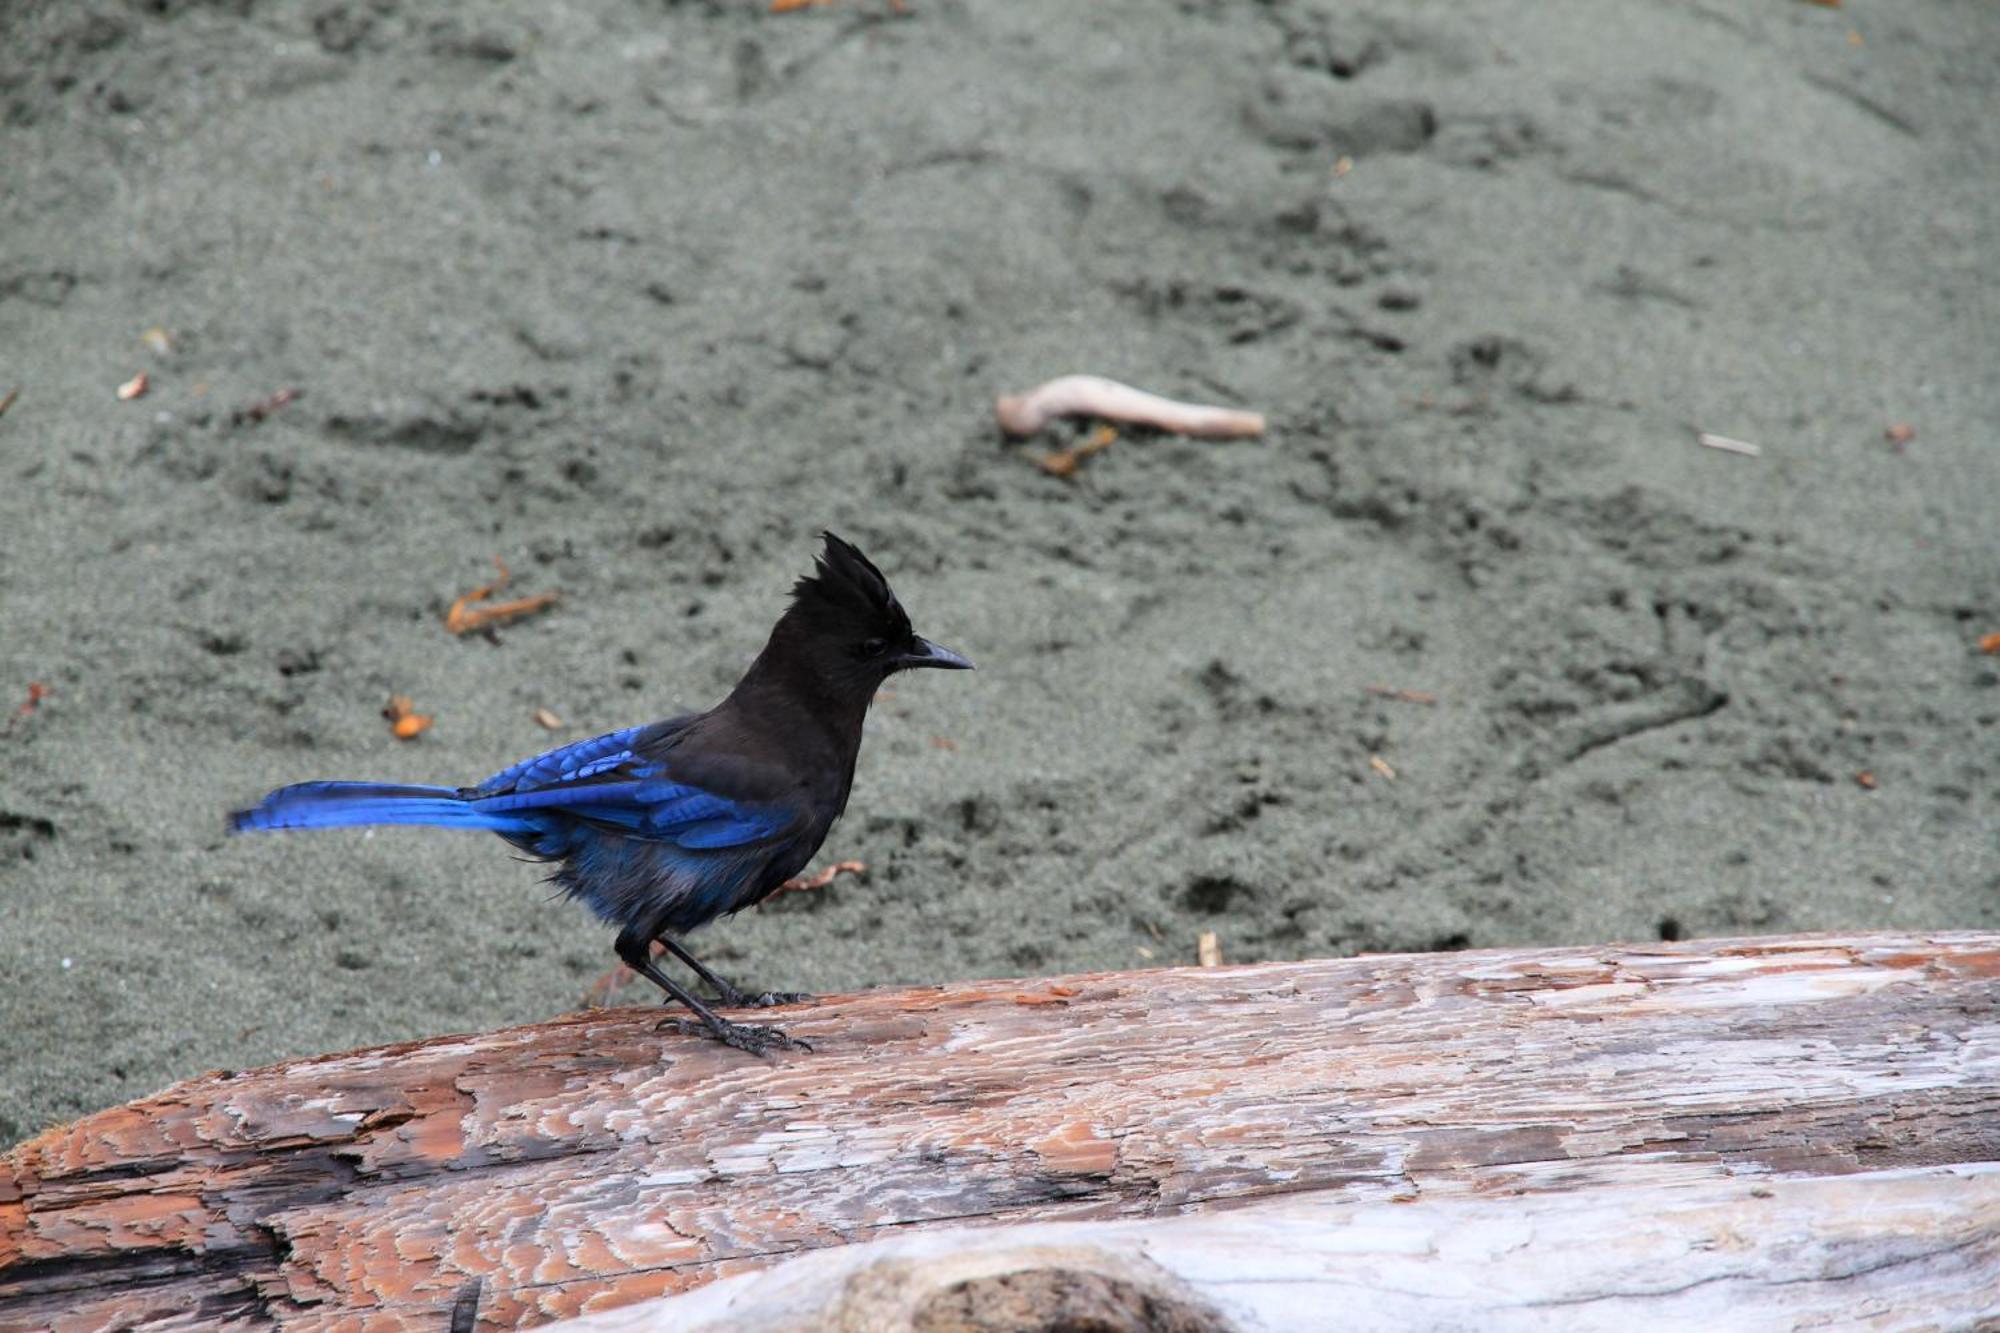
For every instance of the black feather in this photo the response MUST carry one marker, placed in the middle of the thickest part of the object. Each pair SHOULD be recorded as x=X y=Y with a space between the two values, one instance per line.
x=665 y=827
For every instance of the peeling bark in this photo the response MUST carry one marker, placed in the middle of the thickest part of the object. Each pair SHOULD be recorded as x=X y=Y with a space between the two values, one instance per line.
x=592 y=1161
x=1881 y=1249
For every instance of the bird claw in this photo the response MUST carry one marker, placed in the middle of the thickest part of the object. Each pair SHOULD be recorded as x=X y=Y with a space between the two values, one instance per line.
x=742 y=1036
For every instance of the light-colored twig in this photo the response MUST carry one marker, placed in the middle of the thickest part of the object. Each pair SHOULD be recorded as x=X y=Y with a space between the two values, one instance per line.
x=1094 y=396
x=1727 y=445
x=1407 y=696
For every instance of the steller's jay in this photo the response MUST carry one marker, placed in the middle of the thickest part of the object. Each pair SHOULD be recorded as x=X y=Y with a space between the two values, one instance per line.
x=663 y=828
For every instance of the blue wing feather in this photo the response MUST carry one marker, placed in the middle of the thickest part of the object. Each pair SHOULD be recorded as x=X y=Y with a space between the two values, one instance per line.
x=604 y=781
x=745 y=826
x=630 y=835
x=564 y=763
x=568 y=796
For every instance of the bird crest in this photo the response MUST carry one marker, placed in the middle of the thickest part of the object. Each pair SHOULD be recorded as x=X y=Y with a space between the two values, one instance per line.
x=661 y=828
x=844 y=580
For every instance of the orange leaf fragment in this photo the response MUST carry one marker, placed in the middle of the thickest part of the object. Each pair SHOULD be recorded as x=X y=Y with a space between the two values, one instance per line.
x=253 y=413
x=464 y=617
x=133 y=388
x=404 y=721
x=1064 y=462
x=823 y=878
x=1866 y=778
x=1990 y=643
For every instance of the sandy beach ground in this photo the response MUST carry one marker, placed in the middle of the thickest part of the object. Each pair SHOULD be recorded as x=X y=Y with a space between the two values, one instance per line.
x=640 y=296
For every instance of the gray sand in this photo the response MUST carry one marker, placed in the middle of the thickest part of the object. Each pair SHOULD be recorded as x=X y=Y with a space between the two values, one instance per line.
x=639 y=297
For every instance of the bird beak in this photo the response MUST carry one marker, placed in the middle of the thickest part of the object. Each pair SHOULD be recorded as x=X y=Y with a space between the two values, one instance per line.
x=924 y=653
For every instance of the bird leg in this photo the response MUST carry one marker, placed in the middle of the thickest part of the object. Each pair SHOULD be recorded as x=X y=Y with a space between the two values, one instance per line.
x=727 y=995
x=600 y=993
x=634 y=946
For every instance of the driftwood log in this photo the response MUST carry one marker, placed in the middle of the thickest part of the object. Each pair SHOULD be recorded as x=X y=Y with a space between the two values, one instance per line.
x=592 y=1162
x=1881 y=1249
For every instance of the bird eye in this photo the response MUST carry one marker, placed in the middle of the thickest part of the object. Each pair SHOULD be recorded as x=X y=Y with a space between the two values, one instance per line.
x=874 y=647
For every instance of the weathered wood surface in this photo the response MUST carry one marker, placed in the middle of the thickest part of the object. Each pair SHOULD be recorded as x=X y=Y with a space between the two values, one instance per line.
x=593 y=1161
x=1916 y=1249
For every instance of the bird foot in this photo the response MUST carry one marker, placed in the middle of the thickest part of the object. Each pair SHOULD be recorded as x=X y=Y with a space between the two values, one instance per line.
x=742 y=1036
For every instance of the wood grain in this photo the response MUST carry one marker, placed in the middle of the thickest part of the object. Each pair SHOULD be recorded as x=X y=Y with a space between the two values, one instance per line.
x=1912 y=1249
x=592 y=1161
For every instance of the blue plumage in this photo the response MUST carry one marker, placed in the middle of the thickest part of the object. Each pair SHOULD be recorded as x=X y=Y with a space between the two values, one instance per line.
x=665 y=827
x=342 y=804
x=578 y=759
x=575 y=801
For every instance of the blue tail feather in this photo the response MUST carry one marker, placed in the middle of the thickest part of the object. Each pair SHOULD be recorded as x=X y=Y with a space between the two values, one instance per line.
x=343 y=804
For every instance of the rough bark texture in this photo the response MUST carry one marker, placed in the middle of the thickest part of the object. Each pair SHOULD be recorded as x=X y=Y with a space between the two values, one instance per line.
x=1881 y=1249
x=593 y=1161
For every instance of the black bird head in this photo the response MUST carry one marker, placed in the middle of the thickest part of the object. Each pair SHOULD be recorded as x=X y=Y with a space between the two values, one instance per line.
x=846 y=630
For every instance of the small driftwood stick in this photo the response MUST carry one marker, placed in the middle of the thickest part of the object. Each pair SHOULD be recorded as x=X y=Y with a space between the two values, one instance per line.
x=593 y=1161
x=1707 y=440
x=1094 y=396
